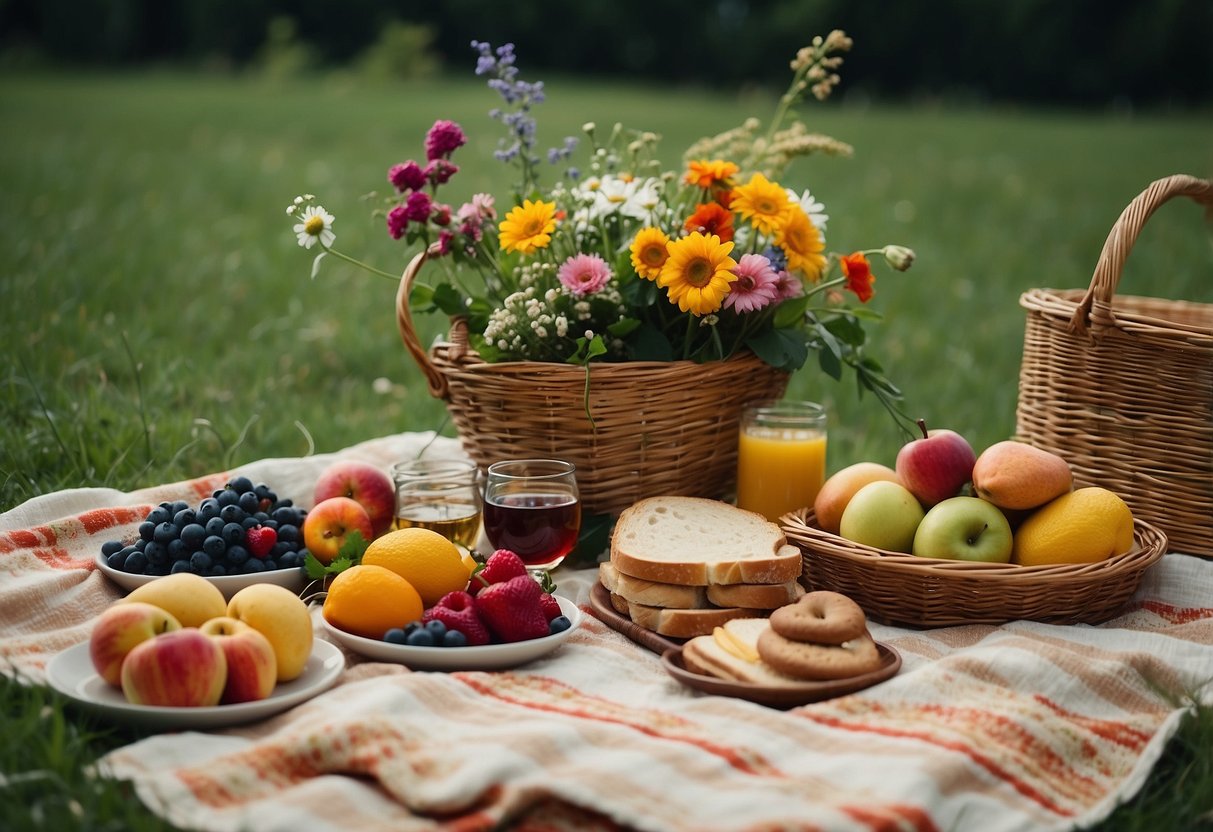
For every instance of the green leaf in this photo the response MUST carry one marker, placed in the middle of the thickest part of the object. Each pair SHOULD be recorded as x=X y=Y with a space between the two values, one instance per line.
x=622 y=328
x=649 y=344
x=448 y=299
x=314 y=568
x=847 y=329
x=353 y=546
x=830 y=365
x=593 y=540
x=783 y=349
x=422 y=296
x=791 y=311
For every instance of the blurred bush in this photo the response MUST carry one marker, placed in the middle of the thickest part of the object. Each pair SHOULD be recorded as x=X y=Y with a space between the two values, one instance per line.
x=403 y=51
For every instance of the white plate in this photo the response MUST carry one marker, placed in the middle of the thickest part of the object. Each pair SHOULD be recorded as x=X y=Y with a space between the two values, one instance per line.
x=71 y=673
x=485 y=657
x=229 y=585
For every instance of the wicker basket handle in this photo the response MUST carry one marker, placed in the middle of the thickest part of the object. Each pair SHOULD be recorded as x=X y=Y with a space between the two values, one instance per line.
x=1095 y=309
x=408 y=332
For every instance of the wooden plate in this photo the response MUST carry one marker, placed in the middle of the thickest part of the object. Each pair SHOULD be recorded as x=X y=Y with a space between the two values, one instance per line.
x=787 y=696
x=600 y=605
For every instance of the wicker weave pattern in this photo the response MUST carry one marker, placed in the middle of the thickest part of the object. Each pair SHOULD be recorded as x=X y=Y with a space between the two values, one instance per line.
x=928 y=592
x=1122 y=386
x=658 y=427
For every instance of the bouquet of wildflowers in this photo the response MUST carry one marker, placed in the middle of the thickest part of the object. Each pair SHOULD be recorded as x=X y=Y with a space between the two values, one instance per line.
x=620 y=260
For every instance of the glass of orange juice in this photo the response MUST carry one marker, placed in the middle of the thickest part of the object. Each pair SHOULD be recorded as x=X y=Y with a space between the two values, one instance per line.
x=781 y=457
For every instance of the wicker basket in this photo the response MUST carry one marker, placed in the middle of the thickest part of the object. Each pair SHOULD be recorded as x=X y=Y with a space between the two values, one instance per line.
x=925 y=592
x=1124 y=390
x=658 y=427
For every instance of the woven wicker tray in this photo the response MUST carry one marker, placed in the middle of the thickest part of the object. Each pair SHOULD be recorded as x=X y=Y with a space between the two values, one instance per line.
x=921 y=592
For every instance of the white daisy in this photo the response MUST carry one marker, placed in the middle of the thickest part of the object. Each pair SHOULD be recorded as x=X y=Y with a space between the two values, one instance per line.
x=644 y=200
x=315 y=224
x=811 y=207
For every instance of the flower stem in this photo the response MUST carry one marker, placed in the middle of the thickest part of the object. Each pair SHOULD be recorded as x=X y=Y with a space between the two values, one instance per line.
x=360 y=264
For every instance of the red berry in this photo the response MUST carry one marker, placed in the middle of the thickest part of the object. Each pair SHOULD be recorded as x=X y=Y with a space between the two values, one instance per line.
x=551 y=607
x=457 y=610
x=501 y=566
x=260 y=540
x=512 y=611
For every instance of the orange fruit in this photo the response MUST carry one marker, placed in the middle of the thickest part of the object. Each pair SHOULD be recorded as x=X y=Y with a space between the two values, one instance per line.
x=1085 y=526
x=424 y=558
x=370 y=600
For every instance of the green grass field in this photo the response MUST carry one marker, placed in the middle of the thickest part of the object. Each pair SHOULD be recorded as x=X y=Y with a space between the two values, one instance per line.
x=157 y=321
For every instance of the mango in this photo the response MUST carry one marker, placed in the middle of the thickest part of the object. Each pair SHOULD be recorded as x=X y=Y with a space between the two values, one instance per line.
x=838 y=490
x=1017 y=476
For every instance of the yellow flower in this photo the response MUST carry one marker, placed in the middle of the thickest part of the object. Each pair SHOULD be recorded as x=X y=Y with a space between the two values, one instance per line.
x=528 y=226
x=649 y=252
x=802 y=243
x=698 y=273
x=763 y=202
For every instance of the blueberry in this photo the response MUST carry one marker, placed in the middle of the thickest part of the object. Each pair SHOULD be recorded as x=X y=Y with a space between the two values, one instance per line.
x=215 y=525
x=165 y=532
x=289 y=561
x=201 y=563
x=251 y=566
x=285 y=503
x=210 y=504
x=420 y=638
x=237 y=555
x=127 y=551
x=559 y=624
x=249 y=502
x=214 y=546
x=116 y=560
x=288 y=532
x=249 y=522
x=177 y=550
x=140 y=543
x=159 y=515
x=232 y=534
x=192 y=536
x=263 y=518
x=394 y=636
x=303 y=553
x=157 y=554
x=178 y=505
x=179 y=566
x=279 y=549
x=218 y=570
x=232 y=514
x=454 y=638
x=240 y=485
x=436 y=628
x=184 y=517
x=147 y=529
x=283 y=515
x=109 y=547
x=411 y=626
x=155 y=570
x=270 y=564
x=227 y=497
x=135 y=562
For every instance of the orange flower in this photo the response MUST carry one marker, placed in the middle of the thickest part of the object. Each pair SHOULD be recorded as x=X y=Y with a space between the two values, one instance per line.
x=705 y=173
x=711 y=218
x=859 y=276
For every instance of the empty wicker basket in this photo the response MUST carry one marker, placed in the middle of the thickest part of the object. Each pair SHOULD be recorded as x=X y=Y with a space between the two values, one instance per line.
x=1122 y=386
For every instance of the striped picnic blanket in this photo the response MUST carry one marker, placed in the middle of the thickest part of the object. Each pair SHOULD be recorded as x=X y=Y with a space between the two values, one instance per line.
x=1023 y=726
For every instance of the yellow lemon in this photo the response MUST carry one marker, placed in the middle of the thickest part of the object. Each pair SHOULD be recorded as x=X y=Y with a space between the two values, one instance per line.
x=424 y=558
x=1085 y=526
x=370 y=600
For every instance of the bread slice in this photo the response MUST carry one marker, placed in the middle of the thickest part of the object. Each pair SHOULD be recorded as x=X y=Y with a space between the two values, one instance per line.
x=680 y=623
x=693 y=541
x=706 y=656
x=673 y=596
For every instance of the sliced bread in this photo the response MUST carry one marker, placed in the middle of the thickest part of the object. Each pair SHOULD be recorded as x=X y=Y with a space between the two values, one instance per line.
x=692 y=541
x=674 y=596
x=708 y=656
x=680 y=623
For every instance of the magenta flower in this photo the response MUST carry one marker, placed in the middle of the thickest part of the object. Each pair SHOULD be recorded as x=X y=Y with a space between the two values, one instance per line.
x=441 y=214
x=397 y=222
x=444 y=242
x=584 y=274
x=407 y=177
x=756 y=286
x=442 y=140
x=418 y=206
x=788 y=286
x=440 y=171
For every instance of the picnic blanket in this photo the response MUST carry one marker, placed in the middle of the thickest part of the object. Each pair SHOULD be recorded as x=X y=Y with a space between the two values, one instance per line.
x=1022 y=726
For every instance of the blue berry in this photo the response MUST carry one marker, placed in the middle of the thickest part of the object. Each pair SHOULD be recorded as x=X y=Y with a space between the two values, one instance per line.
x=215 y=526
x=201 y=563
x=284 y=514
x=227 y=497
x=237 y=555
x=218 y=570
x=177 y=550
x=289 y=561
x=176 y=506
x=184 y=517
x=135 y=562
x=436 y=628
x=454 y=638
x=241 y=484
x=109 y=547
x=252 y=565
x=158 y=515
x=249 y=522
x=214 y=546
x=157 y=554
x=140 y=544
x=192 y=536
x=232 y=514
x=270 y=564
x=249 y=501
x=420 y=637
x=288 y=532
x=232 y=534
x=179 y=566
x=394 y=636
x=164 y=532
x=147 y=530
x=559 y=624
x=116 y=560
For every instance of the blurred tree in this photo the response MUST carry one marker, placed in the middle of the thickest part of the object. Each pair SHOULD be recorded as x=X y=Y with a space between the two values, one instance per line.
x=404 y=50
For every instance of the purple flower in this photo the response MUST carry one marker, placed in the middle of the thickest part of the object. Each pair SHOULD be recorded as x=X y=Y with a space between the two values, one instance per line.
x=443 y=139
x=756 y=286
x=397 y=222
x=407 y=177
x=417 y=207
x=440 y=171
x=584 y=274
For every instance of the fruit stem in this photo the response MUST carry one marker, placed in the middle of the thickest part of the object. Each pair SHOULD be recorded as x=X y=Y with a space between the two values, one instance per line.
x=922 y=426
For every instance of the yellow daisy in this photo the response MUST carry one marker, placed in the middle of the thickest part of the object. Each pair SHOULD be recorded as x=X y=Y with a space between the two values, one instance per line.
x=528 y=226
x=649 y=252
x=802 y=243
x=763 y=202
x=698 y=273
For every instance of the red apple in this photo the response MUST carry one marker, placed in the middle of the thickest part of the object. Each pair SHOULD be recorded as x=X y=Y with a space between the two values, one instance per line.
x=252 y=669
x=119 y=629
x=329 y=522
x=936 y=466
x=367 y=485
x=180 y=669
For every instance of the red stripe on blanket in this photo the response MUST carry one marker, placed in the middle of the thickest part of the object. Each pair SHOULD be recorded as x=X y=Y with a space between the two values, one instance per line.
x=1118 y=733
x=735 y=759
x=204 y=486
x=58 y=557
x=893 y=817
x=100 y=519
x=29 y=538
x=1177 y=615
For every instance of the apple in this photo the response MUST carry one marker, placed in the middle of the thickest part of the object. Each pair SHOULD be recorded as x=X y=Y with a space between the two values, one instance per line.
x=180 y=669
x=252 y=669
x=190 y=598
x=964 y=528
x=280 y=616
x=936 y=466
x=119 y=630
x=838 y=490
x=882 y=514
x=327 y=525
x=366 y=485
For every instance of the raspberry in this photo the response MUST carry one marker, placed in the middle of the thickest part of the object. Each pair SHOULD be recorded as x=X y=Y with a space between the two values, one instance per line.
x=550 y=606
x=501 y=566
x=512 y=609
x=457 y=610
x=260 y=540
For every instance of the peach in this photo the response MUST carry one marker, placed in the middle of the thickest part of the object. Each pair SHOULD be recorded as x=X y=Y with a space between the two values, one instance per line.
x=1015 y=475
x=838 y=490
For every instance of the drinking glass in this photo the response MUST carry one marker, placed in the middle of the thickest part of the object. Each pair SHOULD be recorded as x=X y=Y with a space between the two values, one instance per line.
x=781 y=457
x=531 y=507
x=442 y=495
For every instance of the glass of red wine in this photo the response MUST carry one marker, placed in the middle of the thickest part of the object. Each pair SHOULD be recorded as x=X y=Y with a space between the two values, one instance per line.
x=531 y=507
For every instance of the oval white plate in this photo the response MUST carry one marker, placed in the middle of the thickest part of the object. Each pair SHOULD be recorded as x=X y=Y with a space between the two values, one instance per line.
x=485 y=657
x=71 y=673
x=229 y=585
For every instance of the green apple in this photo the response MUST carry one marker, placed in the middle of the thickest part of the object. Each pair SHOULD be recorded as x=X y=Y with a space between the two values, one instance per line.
x=964 y=528
x=882 y=514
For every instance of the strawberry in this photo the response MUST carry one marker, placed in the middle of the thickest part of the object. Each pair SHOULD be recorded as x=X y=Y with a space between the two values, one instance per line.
x=500 y=567
x=260 y=540
x=457 y=610
x=551 y=607
x=511 y=609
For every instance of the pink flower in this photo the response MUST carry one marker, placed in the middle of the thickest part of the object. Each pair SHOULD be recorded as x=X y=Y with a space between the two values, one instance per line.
x=471 y=230
x=479 y=209
x=417 y=207
x=442 y=214
x=756 y=285
x=442 y=140
x=407 y=177
x=788 y=286
x=444 y=242
x=397 y=222
x=440 y=171
x=584 y=274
